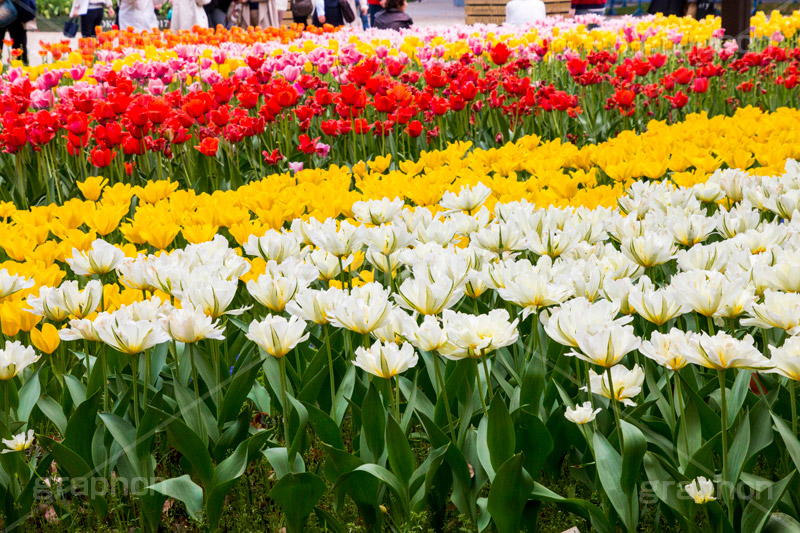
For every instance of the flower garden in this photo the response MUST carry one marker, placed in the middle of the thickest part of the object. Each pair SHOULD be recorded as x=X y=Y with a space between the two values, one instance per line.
x=445 y=279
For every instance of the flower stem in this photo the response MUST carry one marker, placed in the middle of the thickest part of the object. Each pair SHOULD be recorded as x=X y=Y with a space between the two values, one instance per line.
x=724 y=422
x=399 y=399
x=615 y=404
x=282 y=365
x=793 y=404
x=443 y=388
x=135 y=380
x=480 y=392
x=330 y=369
x=488 y=378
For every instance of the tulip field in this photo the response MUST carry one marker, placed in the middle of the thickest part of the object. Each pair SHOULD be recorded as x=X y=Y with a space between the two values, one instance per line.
x=473 y=278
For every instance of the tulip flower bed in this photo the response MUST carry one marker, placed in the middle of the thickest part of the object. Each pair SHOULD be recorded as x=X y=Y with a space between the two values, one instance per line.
x=217 y=115
x=479 y=279
x=159 y=216
x=410 y=364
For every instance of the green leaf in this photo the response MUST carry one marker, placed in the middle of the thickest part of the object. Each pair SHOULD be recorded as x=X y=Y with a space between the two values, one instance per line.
x=578 y=506
x=632 y=455
x=609 y=467
x=761 y=434
x=76 y=389
x=736 y=457
x=191 y=411
x=52 y=410
x=184 y=490
x=509 y=494
x=344 y=392
x=401 y=457
x=78 y=470
x=462 y=480
x=757 y=512
x=226 y=475
x=738 y=394
x=373 y=421
x=500 y=437
x=81 y=426
x=125 y=435
x=383 y=475
x=279 y=460
x=299 y=430
x=666 y=487
x=324 y=426
x=297 y=495
x=789 y=439
x=28 y=396
x=781 y=523
x=238 y=390
x=534 y=440
x=192 y=448
x=483 y=449
x=328 y=521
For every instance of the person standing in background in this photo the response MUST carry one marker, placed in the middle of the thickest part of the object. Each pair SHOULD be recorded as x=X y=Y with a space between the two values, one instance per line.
x=327 y=12
x=216 y=11
x=263 y=13
x=137 y=14
x=91 y=14
x=26 y=12
x=373 y=8
x=393 y=16
x=187 y=14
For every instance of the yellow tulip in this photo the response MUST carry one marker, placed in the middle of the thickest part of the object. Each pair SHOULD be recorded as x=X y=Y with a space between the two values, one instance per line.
x=92 y=187
x=46 y=340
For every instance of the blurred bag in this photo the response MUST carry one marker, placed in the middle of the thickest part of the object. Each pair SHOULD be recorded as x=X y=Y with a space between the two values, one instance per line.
x=301 y=8
x=8 y=13
x=71 y=28
x=347 y=11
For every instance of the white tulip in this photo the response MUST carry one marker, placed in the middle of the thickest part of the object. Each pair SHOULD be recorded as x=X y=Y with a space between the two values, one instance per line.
x=605 y=345
x=377 y=211
x=581 y=414
x=190 y=325
x=273 y=246
x=19 y=442
x=385 y=360
x=130 y=336
x=11 y=283
x=469 y=199
x=626 y=384
x=474 y=336
x=100 y=259
x=668 y=350
x=701 y=490
x=277 y=335
x=786 y=358
x=724 y=351
x=365 y=309
x=14 y=358
x=313 y=305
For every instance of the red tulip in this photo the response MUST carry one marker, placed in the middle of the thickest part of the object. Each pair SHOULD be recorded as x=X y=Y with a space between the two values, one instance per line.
x=500 y=53
x=101 y=157
x=208 y=146
x=414 y=128
x=700 y=85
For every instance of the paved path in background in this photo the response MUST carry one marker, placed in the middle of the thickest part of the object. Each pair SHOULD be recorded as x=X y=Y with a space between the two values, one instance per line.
x=425 y=13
